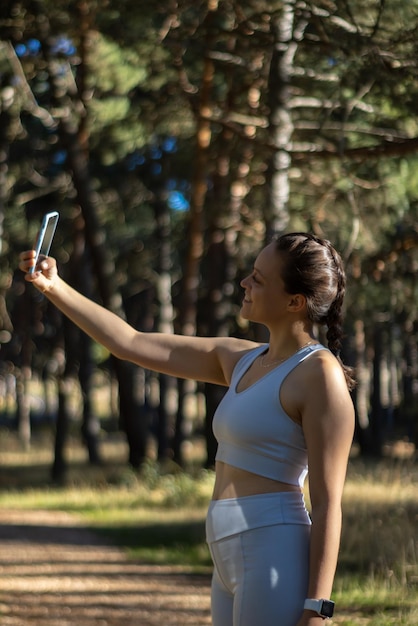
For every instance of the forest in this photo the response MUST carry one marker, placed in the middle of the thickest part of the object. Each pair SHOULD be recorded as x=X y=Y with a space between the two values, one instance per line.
x=175 y=138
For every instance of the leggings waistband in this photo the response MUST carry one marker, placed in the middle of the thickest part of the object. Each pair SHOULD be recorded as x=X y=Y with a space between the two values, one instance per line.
x=236 y=515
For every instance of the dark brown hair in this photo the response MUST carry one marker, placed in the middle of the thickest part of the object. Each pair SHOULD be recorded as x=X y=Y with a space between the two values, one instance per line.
x=312 y=267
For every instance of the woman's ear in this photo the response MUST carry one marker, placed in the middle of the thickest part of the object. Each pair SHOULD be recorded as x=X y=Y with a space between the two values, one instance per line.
x=297 y=303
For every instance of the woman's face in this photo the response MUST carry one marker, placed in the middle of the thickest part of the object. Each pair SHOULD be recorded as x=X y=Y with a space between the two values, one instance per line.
x=265 y=298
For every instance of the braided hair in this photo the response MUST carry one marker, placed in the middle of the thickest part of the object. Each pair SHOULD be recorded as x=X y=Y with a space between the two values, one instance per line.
x=312 y=267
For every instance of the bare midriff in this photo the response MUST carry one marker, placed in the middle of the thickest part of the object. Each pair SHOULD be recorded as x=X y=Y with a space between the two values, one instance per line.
x=232 y=482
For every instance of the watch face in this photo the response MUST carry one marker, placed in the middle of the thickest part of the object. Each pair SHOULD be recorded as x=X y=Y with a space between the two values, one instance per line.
x=327 y=609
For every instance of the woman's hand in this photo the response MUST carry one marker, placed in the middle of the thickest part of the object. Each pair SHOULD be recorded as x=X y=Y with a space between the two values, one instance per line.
x=45 y=275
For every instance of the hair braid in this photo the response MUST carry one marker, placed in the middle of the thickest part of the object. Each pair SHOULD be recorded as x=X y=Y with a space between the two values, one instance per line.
x=334 y=317
x=314 y=268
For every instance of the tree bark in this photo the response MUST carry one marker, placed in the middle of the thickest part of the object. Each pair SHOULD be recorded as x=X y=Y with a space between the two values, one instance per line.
x=286 y=34
x=167 y=384
x=195 y=234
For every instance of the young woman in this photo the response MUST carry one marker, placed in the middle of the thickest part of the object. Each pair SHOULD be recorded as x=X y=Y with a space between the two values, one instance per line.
x=287 y=408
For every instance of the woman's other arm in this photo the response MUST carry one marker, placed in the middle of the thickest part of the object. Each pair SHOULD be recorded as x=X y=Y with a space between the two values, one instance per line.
x=328 y=425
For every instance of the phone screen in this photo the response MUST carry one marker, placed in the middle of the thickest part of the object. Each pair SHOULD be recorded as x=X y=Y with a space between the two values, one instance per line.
x=46 y=234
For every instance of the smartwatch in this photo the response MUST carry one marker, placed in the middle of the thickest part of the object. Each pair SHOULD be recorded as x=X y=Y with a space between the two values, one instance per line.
x=324 y=608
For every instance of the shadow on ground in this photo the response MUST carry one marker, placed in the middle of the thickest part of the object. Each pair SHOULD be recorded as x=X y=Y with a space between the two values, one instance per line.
x=54 y=572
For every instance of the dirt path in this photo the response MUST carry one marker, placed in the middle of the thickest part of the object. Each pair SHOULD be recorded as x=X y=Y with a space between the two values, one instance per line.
x=54 y=572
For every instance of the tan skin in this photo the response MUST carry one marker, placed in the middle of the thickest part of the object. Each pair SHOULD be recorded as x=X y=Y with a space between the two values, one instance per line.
x=314 y=394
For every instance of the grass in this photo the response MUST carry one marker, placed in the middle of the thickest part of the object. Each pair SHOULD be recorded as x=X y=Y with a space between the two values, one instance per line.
x=158 y=517
x=377 y=576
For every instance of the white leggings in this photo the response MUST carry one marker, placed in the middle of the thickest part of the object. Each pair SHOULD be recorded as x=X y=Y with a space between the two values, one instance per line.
x=260 y=550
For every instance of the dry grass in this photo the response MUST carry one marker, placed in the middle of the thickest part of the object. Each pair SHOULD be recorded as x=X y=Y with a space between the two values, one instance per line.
x=381 y=519
x=377 y=578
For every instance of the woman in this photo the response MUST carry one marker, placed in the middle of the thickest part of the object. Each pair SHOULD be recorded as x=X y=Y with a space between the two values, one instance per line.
x=287 y=408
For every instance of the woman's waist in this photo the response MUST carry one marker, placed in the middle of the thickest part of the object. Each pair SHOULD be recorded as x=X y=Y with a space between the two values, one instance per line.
x=255 y=464
x=231 y=516
x=234 y=482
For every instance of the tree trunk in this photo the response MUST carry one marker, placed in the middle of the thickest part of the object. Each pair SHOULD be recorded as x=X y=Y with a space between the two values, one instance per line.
x=67 y=373
x=221 y=272
x=410 y=381
x=361 y=393
x=81 y=278
x=90 y=427
x=60 y=466
x=4 y=153
x=376 y=415
x=190 y=282
x=104 y=271
x=286 y=36
x=167 y=384
x=23 y=375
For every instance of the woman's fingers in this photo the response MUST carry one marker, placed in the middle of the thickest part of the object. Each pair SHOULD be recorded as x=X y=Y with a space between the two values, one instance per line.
x=27 y=260
x=44 y=272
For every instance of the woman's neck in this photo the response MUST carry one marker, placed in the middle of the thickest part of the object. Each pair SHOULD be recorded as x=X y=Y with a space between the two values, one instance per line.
x=286 y=343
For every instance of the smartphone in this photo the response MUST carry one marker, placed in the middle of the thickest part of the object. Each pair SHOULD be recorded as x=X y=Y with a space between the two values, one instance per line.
x=46 y=234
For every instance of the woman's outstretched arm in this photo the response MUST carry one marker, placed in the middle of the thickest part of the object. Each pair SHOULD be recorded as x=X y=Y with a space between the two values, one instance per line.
x=210 y=359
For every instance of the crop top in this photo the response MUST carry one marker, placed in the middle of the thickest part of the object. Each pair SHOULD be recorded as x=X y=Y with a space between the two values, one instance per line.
x=252 y=429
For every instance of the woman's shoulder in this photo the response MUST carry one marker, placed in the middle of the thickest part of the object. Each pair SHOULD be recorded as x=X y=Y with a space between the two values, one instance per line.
x=321 y=372
x=232 y=350
x=322 y=364
x=323 y=376
x=317 y=387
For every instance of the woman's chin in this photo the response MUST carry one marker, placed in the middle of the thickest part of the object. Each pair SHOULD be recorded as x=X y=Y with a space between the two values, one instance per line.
x=244 y=313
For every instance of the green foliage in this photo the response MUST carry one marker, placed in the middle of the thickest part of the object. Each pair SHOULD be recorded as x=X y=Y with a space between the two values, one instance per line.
x=124 y=76
x=114 y=74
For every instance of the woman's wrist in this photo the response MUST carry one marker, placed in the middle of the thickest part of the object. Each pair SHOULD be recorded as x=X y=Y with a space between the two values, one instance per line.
x=50 y=285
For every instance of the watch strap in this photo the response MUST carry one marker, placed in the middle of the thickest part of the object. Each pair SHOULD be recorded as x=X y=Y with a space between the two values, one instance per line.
x=324 y=608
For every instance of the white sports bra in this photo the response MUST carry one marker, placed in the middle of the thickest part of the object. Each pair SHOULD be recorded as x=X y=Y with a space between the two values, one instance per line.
x=253 y=431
